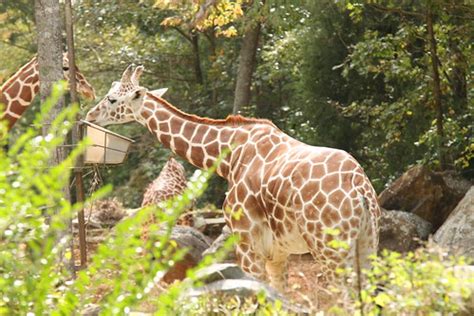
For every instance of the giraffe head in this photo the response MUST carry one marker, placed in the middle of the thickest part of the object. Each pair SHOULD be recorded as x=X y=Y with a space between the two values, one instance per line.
x=83 y=87
x=123 y=101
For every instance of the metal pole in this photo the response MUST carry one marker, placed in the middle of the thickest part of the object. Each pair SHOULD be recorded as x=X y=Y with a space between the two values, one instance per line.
x=76 y=132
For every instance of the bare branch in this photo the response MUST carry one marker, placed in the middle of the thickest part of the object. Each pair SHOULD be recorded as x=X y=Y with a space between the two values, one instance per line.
x=202 y=12
x=186 y=36
x=396 y=10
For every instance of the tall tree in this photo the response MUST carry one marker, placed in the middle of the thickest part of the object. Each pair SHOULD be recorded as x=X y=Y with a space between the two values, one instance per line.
x=247 y=58
x=50 y=60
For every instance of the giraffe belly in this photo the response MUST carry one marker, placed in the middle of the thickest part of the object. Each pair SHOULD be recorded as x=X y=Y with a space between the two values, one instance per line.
x=292 y=241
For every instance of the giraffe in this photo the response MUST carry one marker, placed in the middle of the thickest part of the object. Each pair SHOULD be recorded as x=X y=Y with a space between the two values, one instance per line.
x=18 y=92
x=170 y=182
x=292 y=197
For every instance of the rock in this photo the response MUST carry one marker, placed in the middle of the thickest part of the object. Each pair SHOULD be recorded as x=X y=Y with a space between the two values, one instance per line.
x=457 y=233
x=401 y=231
x=430 y=195
x=244 y=289
x=221 y=271
x=91 y=310
x=195 y=242
x=218 y=243
x=458 y=185
x=104 y=213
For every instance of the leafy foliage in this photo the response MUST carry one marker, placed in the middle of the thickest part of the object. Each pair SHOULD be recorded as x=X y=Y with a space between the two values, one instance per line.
x=418 y=283
x=34 y=215
x=350 y=74
x=34 y=245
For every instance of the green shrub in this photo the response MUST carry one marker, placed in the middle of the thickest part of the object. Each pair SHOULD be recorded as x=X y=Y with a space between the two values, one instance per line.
x=424 y=282
x=34 y=215
x=419 y=283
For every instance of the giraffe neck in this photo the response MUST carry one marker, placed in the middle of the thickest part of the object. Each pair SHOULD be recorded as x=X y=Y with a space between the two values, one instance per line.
x=18 y=92
x=198 y=140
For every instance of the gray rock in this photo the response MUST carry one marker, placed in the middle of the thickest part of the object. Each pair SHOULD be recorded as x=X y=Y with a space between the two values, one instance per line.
x=219 y=243
x=402 y=231
x=457 y=233
x=244 y=289
x=221 y=271
x=91 y=310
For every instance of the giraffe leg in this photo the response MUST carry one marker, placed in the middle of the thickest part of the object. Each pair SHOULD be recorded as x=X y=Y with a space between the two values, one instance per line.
x=277 y=271
x=327 y=259
x=250 y=261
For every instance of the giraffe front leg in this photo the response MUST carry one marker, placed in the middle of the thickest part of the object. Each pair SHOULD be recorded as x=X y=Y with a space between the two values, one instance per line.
x=248 y=222
x=250 y=261
x=277 y=271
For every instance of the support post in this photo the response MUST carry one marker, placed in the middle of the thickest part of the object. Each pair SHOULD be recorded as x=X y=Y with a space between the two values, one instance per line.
x=76 y=132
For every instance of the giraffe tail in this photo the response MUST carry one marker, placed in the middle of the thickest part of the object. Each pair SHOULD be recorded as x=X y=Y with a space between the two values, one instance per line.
x=367 y=240
x=364 y=244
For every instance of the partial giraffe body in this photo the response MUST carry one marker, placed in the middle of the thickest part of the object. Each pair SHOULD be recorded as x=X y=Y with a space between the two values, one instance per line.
x=170 y=183
x=18 y=91
x=290 y=194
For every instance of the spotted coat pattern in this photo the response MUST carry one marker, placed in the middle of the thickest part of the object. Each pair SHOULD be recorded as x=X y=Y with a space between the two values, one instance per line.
x=170 y=183
x=291 y=197
x=18 y=91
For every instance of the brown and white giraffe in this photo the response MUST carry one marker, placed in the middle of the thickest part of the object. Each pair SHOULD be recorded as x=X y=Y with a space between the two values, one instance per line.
x=291 y=196
x=18 y=91
x=170 y=183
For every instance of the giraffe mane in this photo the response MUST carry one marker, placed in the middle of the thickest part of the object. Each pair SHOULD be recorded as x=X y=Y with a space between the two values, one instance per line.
x=231 y=120
x=17 y=74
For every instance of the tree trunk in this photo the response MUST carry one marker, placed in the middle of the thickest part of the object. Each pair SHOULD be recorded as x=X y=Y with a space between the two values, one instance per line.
x=436 y=88
x=50 y=61
x=197 y=58
x=247 y=58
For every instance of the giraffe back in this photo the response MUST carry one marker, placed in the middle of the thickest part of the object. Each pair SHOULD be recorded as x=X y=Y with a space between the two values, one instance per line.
x=170 y=182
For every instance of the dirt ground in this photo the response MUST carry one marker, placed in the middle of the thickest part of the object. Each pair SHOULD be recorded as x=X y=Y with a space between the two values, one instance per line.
x=302 y=279
x=302 y=273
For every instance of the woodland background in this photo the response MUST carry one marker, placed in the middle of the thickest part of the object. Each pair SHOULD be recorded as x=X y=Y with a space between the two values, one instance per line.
x=388 y=81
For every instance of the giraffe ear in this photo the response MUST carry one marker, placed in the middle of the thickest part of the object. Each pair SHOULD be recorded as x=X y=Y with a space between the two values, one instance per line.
x=137 y=98
x=139 y=93
x=159 y=92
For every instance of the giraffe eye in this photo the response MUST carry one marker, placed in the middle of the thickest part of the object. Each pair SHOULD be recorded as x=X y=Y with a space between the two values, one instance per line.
x=66 y=68
x=112 y=101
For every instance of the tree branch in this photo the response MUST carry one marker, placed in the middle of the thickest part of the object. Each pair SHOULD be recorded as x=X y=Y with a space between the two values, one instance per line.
x=202 y=12
x=396 y=10
x=15 y=45
x=186 y=36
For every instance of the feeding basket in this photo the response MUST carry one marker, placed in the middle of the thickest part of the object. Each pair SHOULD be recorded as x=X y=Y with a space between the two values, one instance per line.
x=107 y=147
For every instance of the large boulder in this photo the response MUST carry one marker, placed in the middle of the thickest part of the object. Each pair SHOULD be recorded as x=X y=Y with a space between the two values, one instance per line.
x=402 y=231
x=221 y=271
x=245 y=289
x=196 y=243
x=457 y=233
x=430 y=195
x=218 y=244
